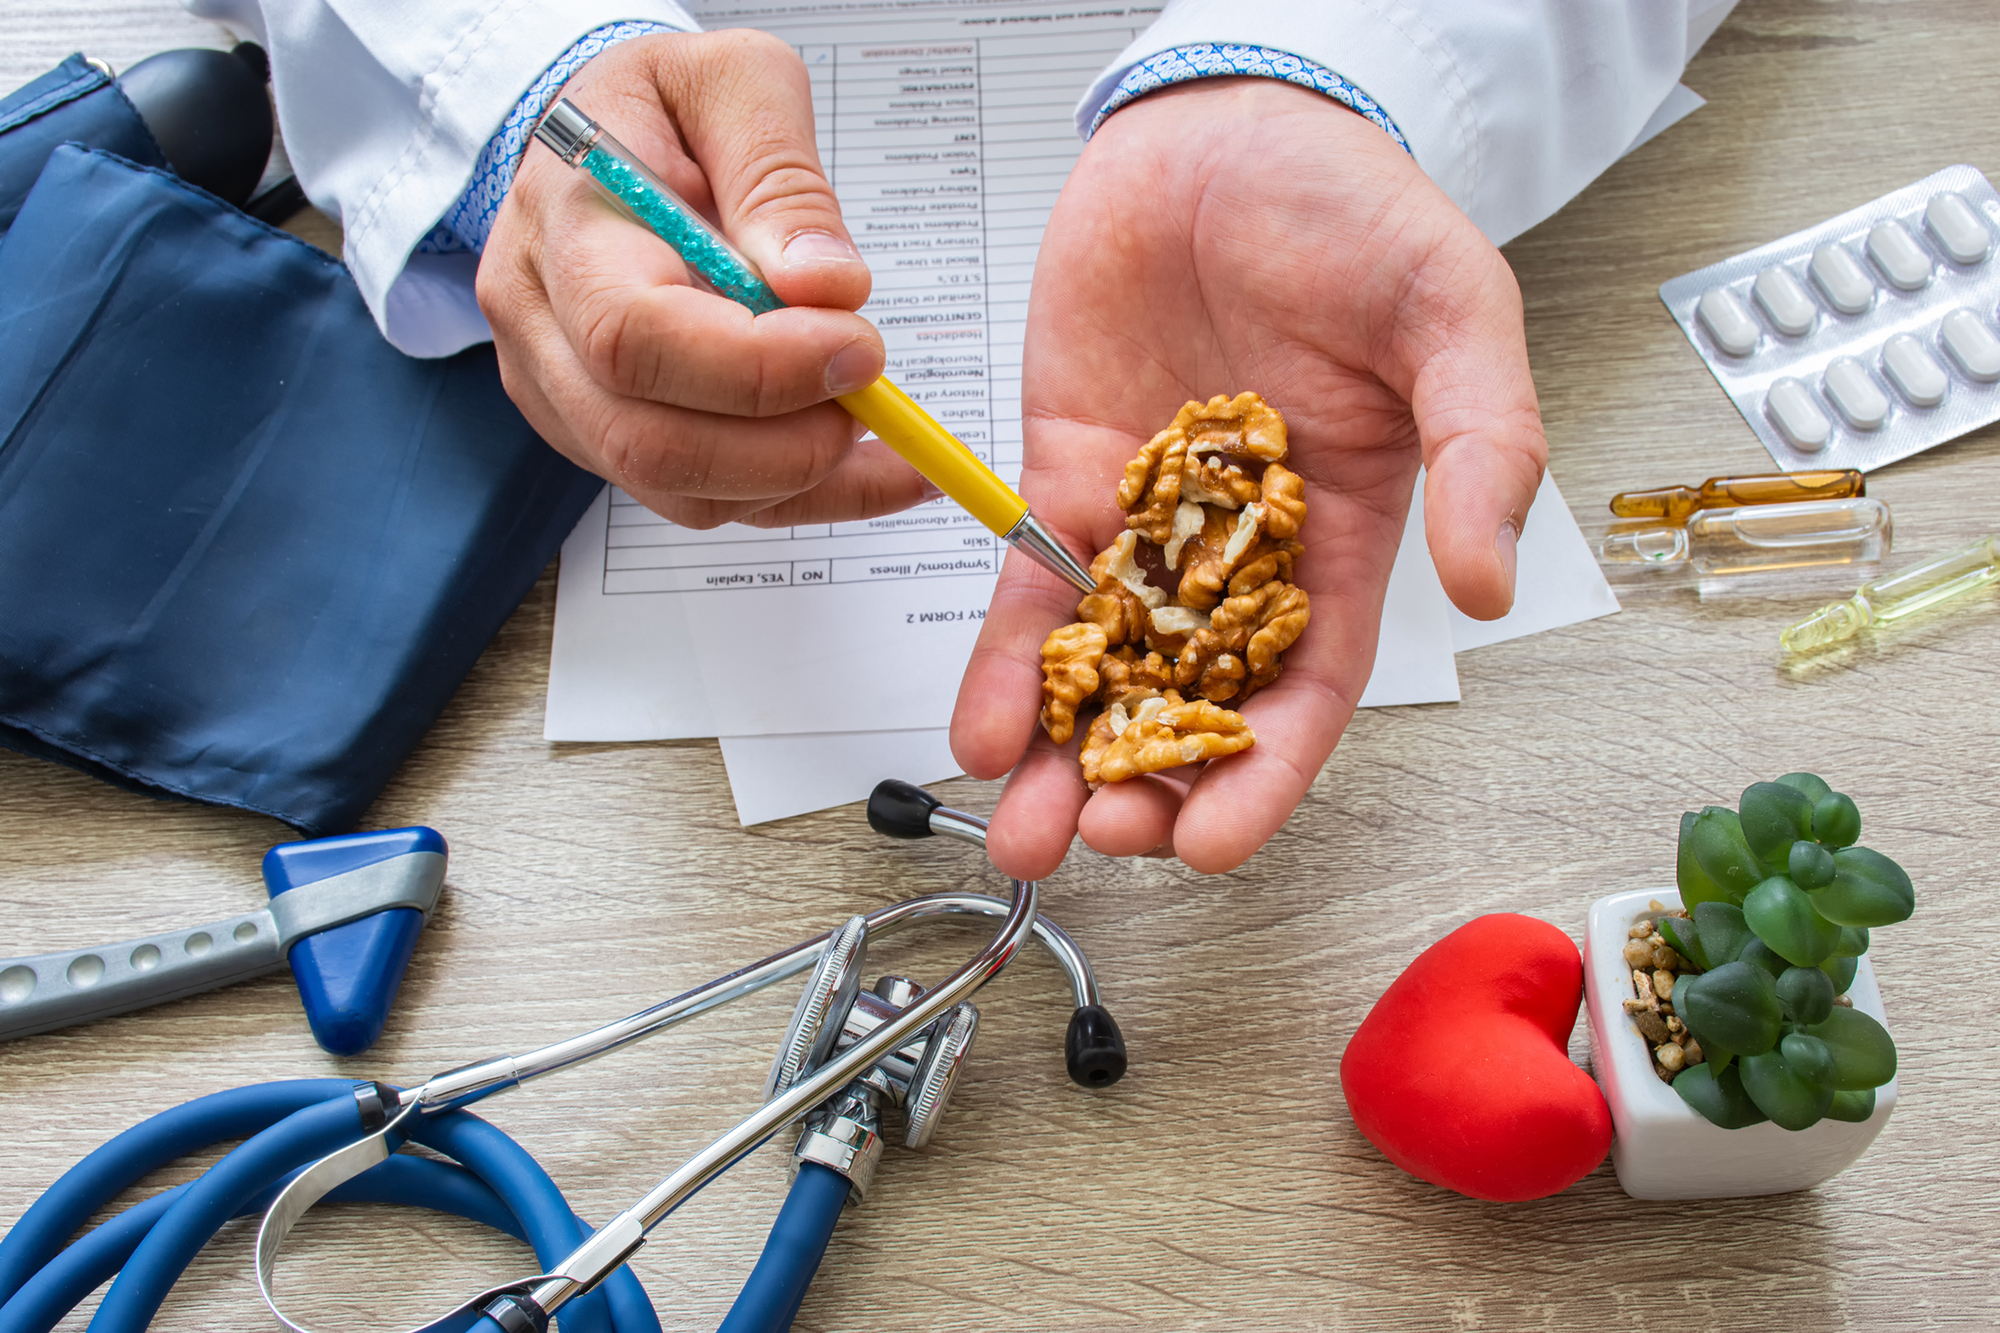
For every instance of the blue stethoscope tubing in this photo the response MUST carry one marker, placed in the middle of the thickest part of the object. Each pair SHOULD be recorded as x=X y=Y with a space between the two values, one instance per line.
x=777 y=1285
x=289 y=1124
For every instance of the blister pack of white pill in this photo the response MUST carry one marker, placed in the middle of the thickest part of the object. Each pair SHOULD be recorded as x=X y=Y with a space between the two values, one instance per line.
x=1866 y=339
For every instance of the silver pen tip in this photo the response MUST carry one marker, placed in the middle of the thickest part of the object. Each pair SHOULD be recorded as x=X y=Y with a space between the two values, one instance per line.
x=1041 y=545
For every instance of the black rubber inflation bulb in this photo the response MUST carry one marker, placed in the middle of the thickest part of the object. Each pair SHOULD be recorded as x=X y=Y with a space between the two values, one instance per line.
x=256 y=57
x=898 y=809
x=210 y=114
x=1095 y=1048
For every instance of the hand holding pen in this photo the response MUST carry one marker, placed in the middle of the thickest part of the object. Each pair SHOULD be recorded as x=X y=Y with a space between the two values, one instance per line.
x=696 y=409
x=895 y=418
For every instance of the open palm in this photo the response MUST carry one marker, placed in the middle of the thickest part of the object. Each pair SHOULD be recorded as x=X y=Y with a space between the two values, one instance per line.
x=1247 y=234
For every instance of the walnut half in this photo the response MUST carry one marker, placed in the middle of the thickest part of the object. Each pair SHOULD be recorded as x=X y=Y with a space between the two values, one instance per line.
x=1244 y=431
x=1123 y=598
x=1070 y=657
x=1261 y=624
x=1151 y=490
x=1171 y=735
x=1126 y=675
x=1245 y=426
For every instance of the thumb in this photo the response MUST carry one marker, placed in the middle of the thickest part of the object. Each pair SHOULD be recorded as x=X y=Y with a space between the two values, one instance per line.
x=743 y=104
x=1483 y=448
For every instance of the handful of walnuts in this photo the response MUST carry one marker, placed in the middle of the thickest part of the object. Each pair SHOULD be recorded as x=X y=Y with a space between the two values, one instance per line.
x=1194 y=605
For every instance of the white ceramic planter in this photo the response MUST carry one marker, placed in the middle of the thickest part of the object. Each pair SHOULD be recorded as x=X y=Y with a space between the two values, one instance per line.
x=1664 y=1149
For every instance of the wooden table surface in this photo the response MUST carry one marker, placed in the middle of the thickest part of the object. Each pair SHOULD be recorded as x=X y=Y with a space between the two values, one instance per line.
x=1221 y=1185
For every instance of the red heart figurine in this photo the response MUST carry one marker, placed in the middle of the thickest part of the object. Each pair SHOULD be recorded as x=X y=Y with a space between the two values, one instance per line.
x=1461 y=1075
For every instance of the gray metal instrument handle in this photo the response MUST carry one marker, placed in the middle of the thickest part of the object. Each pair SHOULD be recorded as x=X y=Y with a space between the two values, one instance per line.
x=52 y=990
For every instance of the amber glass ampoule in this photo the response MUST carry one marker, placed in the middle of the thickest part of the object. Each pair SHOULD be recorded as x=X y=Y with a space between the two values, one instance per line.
x=1676 y=503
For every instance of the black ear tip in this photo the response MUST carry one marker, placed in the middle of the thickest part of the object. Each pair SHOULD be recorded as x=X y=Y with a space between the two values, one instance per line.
x=898 y=809
x=1095 y=1048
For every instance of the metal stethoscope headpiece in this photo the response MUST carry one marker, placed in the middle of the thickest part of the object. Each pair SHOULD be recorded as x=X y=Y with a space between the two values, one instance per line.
x=847 y=1054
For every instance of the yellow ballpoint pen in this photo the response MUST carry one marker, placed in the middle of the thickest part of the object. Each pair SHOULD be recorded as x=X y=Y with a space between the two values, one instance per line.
x=896 y=418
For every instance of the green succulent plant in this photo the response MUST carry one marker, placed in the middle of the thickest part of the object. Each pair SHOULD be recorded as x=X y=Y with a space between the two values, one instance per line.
x=1780 y=901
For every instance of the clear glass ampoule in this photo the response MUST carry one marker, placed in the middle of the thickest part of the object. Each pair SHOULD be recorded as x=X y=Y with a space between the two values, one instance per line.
x=1758 y=539
x=1676 y=503
x=1904 y=592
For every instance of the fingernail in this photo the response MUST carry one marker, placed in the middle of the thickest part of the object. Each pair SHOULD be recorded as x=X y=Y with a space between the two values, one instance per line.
x=1505 y=544
x=853 y=367
x=819 y=247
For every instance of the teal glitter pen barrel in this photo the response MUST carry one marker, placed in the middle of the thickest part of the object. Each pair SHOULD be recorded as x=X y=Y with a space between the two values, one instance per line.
x=651 y=202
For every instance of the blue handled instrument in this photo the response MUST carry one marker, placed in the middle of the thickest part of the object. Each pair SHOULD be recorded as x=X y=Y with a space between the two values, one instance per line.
x=345 y=912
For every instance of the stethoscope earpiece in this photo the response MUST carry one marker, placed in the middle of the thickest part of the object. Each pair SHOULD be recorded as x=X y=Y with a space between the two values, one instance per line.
x=898 y=809
x=1094 y=1050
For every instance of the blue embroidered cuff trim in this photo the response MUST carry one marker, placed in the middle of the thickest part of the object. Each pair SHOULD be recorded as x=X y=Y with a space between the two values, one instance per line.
x=1215 y=60
x=467 y=223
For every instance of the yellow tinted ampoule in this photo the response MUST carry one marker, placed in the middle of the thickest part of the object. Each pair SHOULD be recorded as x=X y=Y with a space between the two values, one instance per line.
x=1751 y=539
x=1676 y=503
x=1904 y=592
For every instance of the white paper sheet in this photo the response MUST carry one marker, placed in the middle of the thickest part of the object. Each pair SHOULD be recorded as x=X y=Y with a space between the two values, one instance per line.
x=776 y=777
x=1556 y=578
x=1413 y=656
x=622 y=667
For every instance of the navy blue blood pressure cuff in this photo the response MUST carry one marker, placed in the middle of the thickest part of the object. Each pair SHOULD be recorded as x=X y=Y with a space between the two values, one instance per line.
x=72 y=102
x=248 y=550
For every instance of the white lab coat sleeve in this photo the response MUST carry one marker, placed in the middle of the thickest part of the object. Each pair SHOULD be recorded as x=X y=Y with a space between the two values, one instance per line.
x=385 y=105
x=1511 y=106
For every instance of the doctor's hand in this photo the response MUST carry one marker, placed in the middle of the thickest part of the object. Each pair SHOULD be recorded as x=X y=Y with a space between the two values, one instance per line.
x=699 y=410
x=1236 y=234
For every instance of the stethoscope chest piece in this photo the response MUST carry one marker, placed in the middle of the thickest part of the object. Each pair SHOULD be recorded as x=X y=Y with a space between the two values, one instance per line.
x=944 y=1055
x=822 y=1009
x=833 y=1013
